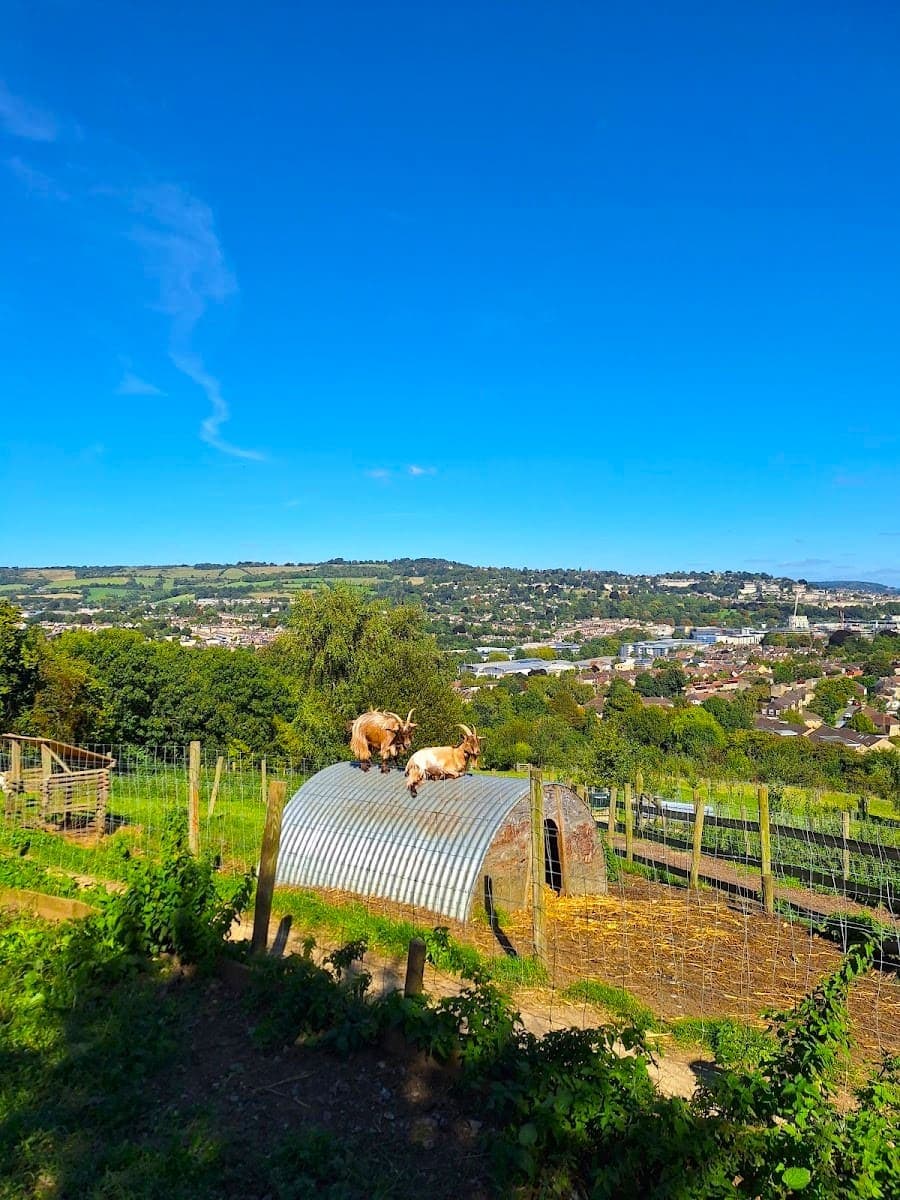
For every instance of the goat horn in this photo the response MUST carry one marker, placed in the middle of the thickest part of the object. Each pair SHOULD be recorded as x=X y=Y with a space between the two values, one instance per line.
x=409 y=715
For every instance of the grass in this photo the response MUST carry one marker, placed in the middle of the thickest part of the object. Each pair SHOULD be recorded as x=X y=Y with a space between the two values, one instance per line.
x=616 y=1001
x=733 y=1043
x=351 y=920
x=92 y=1100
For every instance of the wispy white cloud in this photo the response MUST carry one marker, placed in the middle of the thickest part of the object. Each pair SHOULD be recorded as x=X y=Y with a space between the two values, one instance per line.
x=414 y=470
x=132 y=385
x=192 y=366
x=183 y=253
x=380 y=473
x=23 y=120
x=176 y=234
x=34 y=180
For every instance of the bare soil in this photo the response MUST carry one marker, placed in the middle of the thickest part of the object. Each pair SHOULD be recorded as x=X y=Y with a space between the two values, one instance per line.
x=396 y=1106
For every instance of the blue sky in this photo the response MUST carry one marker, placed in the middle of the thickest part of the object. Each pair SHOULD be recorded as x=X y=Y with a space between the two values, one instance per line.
x=581 y=284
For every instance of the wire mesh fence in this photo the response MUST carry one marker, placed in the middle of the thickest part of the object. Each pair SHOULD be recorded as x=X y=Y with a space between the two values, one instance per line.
x=148 y=793
x=648 y=944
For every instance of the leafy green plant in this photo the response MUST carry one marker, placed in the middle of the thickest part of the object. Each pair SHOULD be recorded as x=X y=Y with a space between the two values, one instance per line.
x=179 y=905
x=733 y=1043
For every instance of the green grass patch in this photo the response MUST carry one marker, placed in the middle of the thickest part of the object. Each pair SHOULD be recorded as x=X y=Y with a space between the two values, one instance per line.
x=654 y=874
x=351 y=921
x=732 y=1043
x=518 y=972
x=617 y=1001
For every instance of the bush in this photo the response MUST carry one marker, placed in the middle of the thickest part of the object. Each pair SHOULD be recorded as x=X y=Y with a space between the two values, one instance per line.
x=178 y=906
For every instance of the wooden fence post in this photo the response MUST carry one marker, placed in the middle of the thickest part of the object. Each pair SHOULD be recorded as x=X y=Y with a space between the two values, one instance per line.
x=765 y=850
x=263 y=781
x=15 y=762
x=743 y=811
x=194 y=798
x=539 y=934
x=639 y=791
x=213 y=795
x=697 y=843
x=845 y=837
x=611 y=815
x=415 y=968
x=629 y=824
x=268 y=861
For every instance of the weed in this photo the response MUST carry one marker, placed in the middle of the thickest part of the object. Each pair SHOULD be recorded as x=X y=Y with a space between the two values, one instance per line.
x=616 y=1000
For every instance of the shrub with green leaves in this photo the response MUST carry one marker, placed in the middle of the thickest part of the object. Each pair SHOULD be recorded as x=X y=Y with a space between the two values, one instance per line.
x=179 y=905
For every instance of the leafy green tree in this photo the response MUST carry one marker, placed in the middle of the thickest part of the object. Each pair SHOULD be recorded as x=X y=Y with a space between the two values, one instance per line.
x=861 y=722
x=695 y=732
x=732 y=714
x=69 y=699
x=831 y=695
x=669 y=680
x=648 y=726
x=20 y=648
x=621 y=698
x=127 y=665
x=608 y=755
x=793 y=716
x=345 y=653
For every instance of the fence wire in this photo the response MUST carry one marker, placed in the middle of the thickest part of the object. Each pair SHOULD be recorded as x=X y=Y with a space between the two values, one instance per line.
x=649 y=948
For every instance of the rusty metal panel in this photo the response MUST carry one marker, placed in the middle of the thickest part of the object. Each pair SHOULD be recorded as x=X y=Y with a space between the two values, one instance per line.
x=362 y=832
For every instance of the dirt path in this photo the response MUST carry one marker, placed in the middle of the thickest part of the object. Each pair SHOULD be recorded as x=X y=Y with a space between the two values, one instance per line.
x=675 y=1071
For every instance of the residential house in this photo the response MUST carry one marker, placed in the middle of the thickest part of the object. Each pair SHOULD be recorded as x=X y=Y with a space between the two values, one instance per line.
x=861 y=743
x=781 y=728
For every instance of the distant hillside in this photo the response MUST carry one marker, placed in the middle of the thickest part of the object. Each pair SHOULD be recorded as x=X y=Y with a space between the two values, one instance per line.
x=856 y=585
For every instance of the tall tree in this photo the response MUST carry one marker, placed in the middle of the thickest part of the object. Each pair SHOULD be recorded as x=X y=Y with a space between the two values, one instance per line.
x=20 y=649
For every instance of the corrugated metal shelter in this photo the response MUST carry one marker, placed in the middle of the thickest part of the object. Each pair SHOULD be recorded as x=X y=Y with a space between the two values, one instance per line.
x=456 y=842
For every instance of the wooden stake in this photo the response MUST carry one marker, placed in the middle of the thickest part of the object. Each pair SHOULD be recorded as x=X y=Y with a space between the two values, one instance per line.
x=415 y=968
x=15 y=762
x=611 y=815
x=629 y=824
x=194 y=798
x=765 y=850
x=561 y=841
x=747 y=832
x=263 y=780
x=539 y=937
x=268 y=861
x=845 y=836
x=213 y=795
x=697 y=844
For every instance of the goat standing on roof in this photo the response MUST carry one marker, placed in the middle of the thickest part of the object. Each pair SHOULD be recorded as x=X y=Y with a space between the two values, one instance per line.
x=443 y=762
x=381 y=733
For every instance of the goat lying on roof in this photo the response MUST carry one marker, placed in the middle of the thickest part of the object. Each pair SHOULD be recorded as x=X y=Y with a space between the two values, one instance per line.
x=443 y=762
x=381 y=733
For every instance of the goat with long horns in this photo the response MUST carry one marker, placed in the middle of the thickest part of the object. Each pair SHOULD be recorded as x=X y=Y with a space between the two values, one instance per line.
x=382 y=733
x=443 y=762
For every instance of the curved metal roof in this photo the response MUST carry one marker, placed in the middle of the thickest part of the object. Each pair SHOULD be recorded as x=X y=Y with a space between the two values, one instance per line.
x=363 y=832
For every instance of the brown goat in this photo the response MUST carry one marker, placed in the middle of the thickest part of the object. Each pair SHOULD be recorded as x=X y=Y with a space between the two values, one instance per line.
x=381 y=733
x=443 y=762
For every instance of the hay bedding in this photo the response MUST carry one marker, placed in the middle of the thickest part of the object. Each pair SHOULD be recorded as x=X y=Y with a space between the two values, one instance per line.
x=684 y=954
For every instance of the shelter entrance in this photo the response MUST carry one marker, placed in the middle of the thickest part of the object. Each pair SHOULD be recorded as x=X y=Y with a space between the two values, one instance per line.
x=552 y=858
